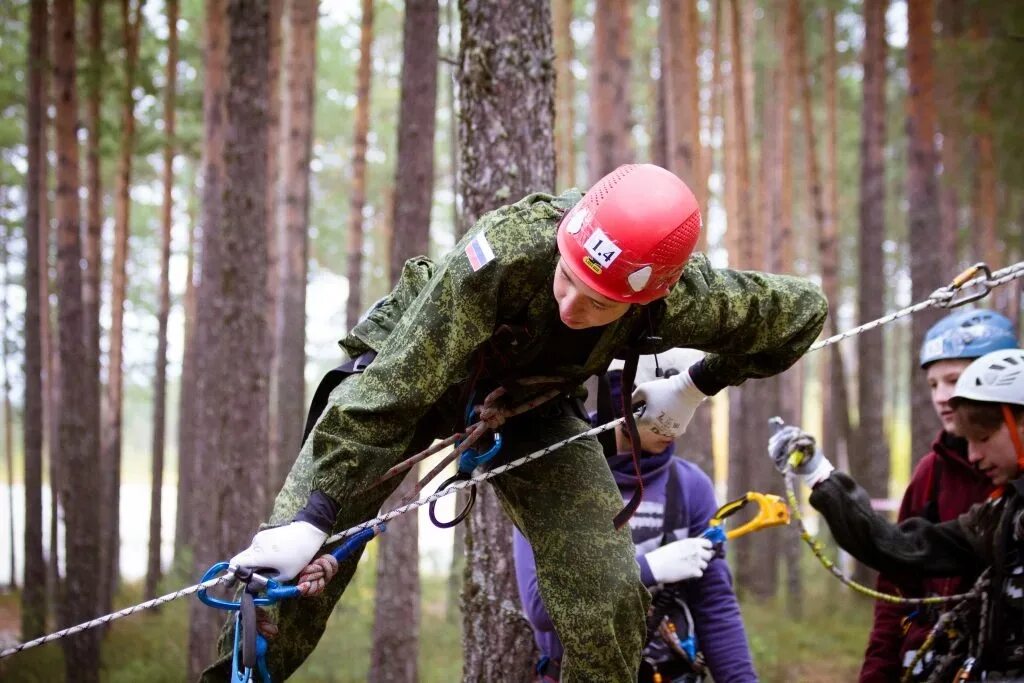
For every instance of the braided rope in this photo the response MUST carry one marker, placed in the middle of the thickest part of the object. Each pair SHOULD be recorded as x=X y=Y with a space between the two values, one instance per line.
x=819 y=552
x=944 y=296
x=106 y=619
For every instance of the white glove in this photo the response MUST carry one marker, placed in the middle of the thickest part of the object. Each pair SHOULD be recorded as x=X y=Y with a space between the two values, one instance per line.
x=680 y=560
x=671 y=403
x=284 y=550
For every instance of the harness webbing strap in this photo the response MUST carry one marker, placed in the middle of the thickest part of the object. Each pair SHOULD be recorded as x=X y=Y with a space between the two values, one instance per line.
x=628 y=376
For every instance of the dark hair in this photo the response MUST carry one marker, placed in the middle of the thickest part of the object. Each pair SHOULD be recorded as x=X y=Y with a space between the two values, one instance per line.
x=981 y=416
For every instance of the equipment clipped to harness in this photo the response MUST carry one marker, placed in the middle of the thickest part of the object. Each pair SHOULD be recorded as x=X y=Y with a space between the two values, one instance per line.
x=469 y=460
x=249 y=652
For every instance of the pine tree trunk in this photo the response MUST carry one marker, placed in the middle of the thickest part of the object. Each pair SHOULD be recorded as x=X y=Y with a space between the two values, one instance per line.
x=93 y=234
x=34 y=597
x=608 y=138
x=293 y=256
x=398 y=590
x=869 y=459
x=497 y=641
x=203 y=624
x=233 y=377
x=926 y=262
x=111 y=435
x=78 y=444
x=836 y=395
x=274 y=228
x=153 y=568
x=354 y=270
x=565 y=94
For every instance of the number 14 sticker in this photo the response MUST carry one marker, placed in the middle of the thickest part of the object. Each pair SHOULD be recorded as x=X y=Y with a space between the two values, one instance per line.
x=601 y=248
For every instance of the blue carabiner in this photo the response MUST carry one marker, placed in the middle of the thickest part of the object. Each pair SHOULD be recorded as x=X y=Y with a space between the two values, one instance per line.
x=471 y=458
x=273 y=591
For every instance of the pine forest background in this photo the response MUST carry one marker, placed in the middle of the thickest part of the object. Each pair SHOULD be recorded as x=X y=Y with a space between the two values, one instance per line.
x=198 y=199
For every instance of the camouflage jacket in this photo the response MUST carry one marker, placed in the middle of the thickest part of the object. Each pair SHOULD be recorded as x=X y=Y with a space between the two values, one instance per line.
x=426 y=332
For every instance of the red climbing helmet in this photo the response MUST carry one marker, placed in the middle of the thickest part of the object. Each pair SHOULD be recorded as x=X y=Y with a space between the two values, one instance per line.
x=630 y=236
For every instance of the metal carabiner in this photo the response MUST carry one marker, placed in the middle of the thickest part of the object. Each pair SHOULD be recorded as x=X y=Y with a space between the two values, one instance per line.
x=249 y=652
x=959 y=296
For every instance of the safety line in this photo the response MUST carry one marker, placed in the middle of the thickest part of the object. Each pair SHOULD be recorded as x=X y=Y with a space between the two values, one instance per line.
x=943 y=297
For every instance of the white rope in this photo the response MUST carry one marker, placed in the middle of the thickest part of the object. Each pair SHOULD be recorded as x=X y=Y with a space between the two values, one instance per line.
x=116 y=615
x=944 y=297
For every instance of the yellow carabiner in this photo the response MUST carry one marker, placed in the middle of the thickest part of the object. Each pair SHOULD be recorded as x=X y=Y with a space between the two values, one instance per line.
x=772 y=511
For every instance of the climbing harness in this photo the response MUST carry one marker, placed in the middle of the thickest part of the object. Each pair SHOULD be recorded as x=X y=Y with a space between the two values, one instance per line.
x=670 y=620
x=966 y=287
x=469 y=459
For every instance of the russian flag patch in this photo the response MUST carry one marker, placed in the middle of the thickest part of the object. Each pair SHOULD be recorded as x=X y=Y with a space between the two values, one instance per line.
x=479 y=252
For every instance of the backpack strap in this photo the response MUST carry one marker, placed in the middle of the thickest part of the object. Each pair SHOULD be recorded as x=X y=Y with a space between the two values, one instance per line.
x=328 y=384
x=673 y=516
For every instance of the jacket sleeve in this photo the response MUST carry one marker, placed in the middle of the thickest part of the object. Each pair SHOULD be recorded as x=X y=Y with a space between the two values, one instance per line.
x=915 y=545
x=751 y=324
x=711 y=598
x=370 y=422
x=882 y=655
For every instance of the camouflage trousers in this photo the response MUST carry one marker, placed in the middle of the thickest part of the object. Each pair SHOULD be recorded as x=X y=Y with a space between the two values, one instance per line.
x=563 y=503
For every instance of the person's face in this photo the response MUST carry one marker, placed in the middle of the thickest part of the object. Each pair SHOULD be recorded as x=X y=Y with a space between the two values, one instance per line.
x=649 y=441
x=579 y=306
x=993 y=452
x=942 y=376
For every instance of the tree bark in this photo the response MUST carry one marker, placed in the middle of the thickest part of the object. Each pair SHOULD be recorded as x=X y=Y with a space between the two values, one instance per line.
x=414 y=174
x=111 y=434
x=609 y=143
x=926 y=262
x=153 y=568
x=398 y=590
x=354 y=270
x=274 y=195
x=504 y=42
x=34 y=597
x=565 y=94
x=293 y=255
x=78 y=438
x=203 y=625
x=869 y=461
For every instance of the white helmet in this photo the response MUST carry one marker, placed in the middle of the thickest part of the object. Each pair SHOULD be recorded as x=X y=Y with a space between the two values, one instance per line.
x=677 y=360
x=996 y=377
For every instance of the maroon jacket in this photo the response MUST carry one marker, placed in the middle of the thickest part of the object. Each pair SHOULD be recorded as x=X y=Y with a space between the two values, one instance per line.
x=944 y=485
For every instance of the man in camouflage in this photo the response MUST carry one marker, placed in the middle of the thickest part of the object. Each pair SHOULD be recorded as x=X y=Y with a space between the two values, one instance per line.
x=548 y=286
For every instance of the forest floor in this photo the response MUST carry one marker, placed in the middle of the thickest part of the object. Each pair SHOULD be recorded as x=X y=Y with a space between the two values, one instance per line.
x=824 y=645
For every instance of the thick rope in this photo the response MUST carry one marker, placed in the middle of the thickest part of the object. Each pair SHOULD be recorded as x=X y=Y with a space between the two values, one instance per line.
x=944 y=296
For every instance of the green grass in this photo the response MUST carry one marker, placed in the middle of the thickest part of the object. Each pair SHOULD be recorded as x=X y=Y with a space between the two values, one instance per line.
x=824 y=644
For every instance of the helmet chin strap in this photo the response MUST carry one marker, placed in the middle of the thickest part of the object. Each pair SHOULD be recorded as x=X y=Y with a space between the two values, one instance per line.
x=1011 y=425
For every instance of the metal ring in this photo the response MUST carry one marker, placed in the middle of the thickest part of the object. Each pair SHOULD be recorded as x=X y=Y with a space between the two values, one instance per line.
x=465 y=511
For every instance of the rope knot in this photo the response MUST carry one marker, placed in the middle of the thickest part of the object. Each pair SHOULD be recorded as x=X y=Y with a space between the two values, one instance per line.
x=312 y=580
